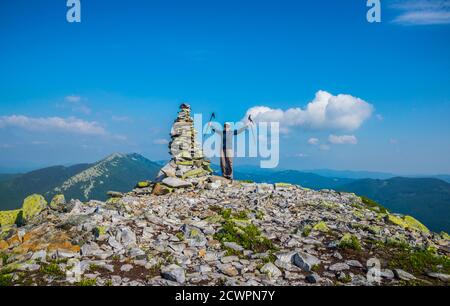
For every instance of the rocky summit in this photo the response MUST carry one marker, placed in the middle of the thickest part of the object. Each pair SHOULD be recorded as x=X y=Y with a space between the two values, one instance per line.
x=189 y=227
x=216 y=232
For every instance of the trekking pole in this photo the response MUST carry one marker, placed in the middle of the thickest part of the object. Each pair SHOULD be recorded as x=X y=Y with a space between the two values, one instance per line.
x=251 y=129
x=213 y=116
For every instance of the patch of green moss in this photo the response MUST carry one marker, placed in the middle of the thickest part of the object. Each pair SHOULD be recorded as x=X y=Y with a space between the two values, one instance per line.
x=180 y=236
x=396 y=243
x=346 y=279
x=349 y=241
x=249 y=237
x=232 y=252
x=214 y=219
x=315 y=268
x=418 y=261
x=52 y=269
x=372 y=205
x=6 y=280
x=226 y=213
x=4 y=257
x=306 y=230
x=258 y=214
x=321 y=227
x=270 y=257
x=86 y=282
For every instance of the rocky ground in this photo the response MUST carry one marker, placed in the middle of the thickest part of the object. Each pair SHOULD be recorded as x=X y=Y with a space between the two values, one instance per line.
x=218 y=233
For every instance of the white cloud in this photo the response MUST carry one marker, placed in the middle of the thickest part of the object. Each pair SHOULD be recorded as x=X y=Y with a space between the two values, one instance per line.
x=160 y=141
x=422 y=12
x=343 y=139
x=325 y=112
x=313 y=141
x=75 y=103
x=71 y=124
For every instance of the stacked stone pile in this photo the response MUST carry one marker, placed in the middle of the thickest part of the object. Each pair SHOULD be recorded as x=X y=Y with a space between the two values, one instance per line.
x=188 y=163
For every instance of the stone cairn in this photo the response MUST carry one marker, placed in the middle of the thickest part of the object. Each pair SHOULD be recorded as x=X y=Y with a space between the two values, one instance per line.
x=188 y=164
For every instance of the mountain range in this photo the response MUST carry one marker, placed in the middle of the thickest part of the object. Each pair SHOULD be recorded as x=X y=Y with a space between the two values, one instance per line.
x=427 y=199
x=118 y=172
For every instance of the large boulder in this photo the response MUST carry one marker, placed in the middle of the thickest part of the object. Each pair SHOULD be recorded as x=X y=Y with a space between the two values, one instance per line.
x=161 y=189
x=305 y=261
x=32 y=207
x=407 y=222
x=10 y=217
x=58 y=202
x=174 y=273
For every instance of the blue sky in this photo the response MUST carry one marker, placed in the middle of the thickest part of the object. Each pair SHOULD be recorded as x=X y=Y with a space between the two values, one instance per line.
x=74 y=93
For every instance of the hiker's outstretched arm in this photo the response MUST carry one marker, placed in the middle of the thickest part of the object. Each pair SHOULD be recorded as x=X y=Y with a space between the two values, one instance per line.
x=239 y=131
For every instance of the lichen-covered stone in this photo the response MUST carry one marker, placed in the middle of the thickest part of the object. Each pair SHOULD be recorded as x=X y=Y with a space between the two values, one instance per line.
x=58 y=202
x=10 y=217
x=407 y=222
x=321 y=227
x=414 y=224
x=195 y=173
x=445 y=236
x=99 y=231
x=32 y=206
x=283 y=185
x=143 y=184
x=396 y=220
x=161 y=189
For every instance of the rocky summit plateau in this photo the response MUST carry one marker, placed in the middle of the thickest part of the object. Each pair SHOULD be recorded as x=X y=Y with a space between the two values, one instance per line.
x=216 y=232
x=189 y=227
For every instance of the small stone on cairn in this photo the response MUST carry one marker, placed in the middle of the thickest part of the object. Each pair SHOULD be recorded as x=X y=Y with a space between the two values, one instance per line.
x=188 y=163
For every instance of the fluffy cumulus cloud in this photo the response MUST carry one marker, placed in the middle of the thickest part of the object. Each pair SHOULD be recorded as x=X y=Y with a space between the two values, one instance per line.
x=325 y=112
x=422 y=12
x=343 y=139
x=71 y=124
x=313 y=141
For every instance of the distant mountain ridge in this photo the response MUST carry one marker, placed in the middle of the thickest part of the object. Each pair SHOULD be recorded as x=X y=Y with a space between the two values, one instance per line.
x=119 y=172
x=427 y=199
